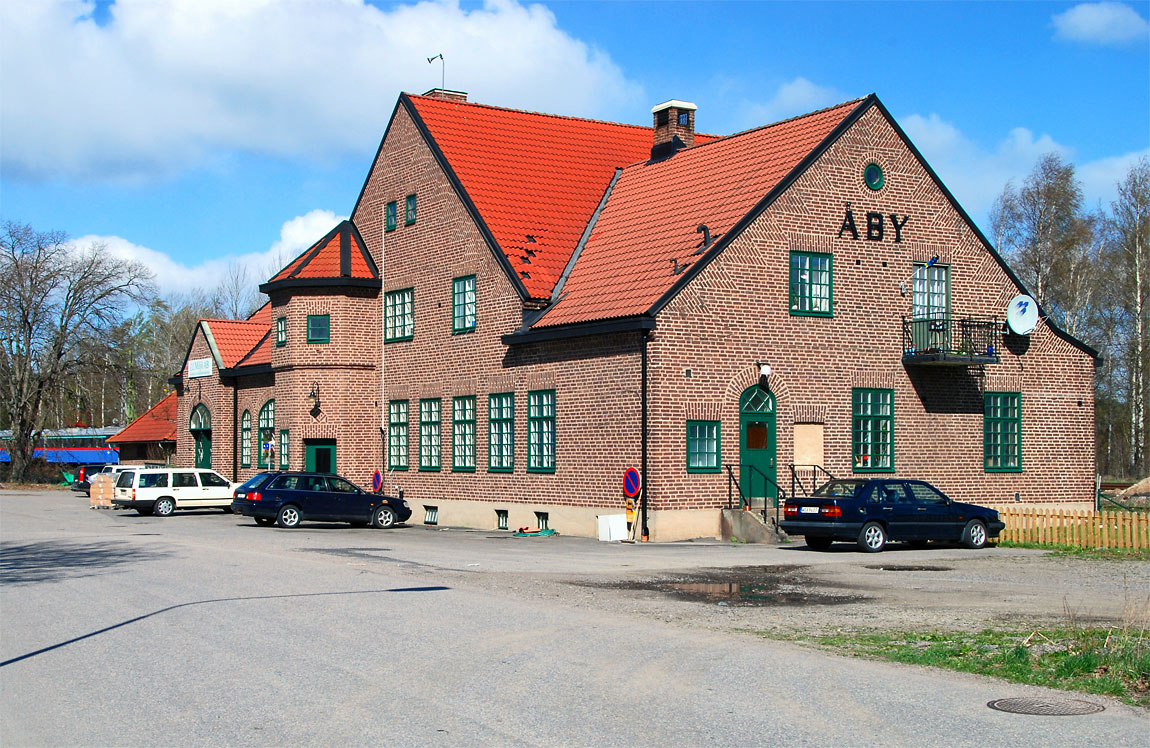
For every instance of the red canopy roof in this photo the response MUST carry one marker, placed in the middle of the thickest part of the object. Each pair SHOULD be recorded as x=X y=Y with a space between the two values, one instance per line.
x=157 y=424
x=341 y=253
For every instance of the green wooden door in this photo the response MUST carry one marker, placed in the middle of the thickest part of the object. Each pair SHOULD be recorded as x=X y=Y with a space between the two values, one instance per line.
x=203 y=448
x=757 y=444
x=319 y=456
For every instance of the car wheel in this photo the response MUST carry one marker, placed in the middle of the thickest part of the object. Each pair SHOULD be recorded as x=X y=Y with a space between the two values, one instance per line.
x=383 y=517
x=974 y=534
x=818 y=544
x=264 y=521
x=872 y=538
x=163 y=507
x=289 y=516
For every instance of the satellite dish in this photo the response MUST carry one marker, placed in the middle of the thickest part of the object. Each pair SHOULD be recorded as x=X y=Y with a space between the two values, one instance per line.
x=1022 y=314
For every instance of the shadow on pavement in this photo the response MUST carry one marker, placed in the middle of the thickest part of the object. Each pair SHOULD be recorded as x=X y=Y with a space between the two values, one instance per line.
x=52 y=560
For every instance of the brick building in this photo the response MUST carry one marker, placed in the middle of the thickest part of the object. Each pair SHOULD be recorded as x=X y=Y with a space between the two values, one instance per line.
x=523 y=305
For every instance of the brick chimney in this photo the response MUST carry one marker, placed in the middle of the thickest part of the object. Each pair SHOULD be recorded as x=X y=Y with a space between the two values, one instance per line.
x=674 y=120
x=447 y=95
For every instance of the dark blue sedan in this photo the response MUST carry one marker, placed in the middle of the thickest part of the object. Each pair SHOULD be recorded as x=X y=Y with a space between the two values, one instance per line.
x=287 y=499
x=872 y=512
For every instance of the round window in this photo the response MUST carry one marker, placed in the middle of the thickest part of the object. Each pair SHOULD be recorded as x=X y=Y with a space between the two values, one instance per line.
x=873 y=177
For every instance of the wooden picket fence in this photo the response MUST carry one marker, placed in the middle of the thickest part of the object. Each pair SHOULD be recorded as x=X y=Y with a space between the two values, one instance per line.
x=1082 y=528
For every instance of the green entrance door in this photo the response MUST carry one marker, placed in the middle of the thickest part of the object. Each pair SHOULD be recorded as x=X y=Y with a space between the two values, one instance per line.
x=200 y=424
x=319 y=455
x=757 y=442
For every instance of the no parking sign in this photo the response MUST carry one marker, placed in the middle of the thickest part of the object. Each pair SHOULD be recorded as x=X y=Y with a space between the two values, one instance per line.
x=632 y=484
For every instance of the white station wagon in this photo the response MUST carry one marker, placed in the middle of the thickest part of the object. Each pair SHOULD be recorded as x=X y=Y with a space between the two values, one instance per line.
x=161 y=491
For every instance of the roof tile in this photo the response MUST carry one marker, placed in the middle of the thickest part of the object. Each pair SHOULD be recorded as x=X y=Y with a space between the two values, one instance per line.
x=157 y=424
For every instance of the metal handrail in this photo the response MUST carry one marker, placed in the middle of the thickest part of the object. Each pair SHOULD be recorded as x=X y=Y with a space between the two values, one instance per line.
x=952 y=337
x=814 y=470
x=733 y=485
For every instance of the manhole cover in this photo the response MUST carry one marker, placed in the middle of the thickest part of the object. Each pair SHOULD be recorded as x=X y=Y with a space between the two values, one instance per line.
x=1046 y=707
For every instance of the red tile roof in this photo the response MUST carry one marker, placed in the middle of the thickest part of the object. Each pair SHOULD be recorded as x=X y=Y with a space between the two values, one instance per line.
x=261 y=354
x=263 y=315
x=341 y=253
x=649 y=224
x=157 y=424
x=235 y=339
x=535 y=178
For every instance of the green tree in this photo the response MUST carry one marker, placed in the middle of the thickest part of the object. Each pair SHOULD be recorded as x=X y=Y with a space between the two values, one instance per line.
x=53 y=295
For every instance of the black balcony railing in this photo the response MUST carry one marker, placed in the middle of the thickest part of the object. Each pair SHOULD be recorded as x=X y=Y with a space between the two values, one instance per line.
x=947 y=341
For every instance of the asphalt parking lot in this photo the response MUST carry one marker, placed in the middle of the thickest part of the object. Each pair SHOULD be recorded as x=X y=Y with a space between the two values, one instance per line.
x=203 y=628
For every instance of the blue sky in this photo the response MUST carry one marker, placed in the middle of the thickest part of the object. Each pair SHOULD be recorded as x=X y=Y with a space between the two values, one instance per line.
x=195 y=133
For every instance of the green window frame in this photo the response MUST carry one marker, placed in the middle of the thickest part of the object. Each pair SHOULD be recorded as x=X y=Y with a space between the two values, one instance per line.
x=409 y=210
x=872 y=431
x=246 y=439
x=463 y=304
x=704 y=446
x=285 y=442
x=812 y=284
x=318 y=328
x=430 y=442
x=399 y=315
x=281 y=331
x=397 y=435
x=1002 y=432
x=390 y=214
x=541 y=431
x=266 y=435
x=501 y=432
x=463 y=434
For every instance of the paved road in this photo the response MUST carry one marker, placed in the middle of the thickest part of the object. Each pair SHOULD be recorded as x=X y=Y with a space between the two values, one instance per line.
x=202 y=629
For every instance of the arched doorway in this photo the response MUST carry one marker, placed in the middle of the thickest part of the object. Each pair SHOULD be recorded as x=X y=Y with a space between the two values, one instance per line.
x=200 y=425
x=757 y=443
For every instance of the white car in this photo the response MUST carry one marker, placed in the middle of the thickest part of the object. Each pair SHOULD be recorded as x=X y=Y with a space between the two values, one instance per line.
x=161 y=491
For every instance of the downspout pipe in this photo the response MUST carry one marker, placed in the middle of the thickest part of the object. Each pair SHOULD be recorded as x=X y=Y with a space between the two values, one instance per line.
x=643 y=437
x=235 y=431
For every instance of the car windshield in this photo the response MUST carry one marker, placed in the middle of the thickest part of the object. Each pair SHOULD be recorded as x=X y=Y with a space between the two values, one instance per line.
x=256 y=480
x=840 y=488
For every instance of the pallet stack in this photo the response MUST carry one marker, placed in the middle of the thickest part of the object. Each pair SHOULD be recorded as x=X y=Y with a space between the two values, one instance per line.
x=103 y=487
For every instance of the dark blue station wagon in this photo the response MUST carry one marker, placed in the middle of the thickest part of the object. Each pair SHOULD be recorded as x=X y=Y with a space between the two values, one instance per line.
x=872 y=512
x=287 y=499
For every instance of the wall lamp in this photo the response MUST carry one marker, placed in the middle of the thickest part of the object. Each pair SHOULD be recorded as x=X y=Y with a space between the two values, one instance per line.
x=764 y=373
x=313 y=396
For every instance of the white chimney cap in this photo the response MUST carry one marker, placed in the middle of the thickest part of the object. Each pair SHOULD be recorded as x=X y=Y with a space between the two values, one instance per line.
x=674 y=103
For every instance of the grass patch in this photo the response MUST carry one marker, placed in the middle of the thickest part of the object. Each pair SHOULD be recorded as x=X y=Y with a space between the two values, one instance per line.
x=1113 y=662
x=1073 y=551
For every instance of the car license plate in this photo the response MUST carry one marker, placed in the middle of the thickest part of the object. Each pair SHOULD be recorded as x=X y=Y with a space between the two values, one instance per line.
x=808 y=510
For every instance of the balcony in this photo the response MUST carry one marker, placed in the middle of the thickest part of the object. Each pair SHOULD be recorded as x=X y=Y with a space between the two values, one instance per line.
x=947 y=341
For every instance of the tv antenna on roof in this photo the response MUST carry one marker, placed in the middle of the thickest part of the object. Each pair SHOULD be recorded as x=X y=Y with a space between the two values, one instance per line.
x=442 y=69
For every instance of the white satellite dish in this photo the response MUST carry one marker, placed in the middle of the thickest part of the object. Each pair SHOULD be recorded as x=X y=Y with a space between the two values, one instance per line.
x=1022 y=314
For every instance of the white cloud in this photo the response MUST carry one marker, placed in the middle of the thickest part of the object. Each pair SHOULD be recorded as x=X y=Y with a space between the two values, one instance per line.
x=1101 y=23
x=164 y=86
x=173 y=277
x=976 y=175
x=790 y=99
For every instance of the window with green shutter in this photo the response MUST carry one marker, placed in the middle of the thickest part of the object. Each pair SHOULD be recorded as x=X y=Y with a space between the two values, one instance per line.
x=873 y=430
x=318 y=328
x=267 y=425
x=281 y=331
x=284 y=442
x=390 y=213
x=463 y=434
x=399 y=315
x=1002 y=432
x=429 y=434
x=501 y=432
x=246 y=439
x=397 y=435
x=812 y=284
x=703 y=447
x=409 y=210
x=541 y=431
x=463 y=304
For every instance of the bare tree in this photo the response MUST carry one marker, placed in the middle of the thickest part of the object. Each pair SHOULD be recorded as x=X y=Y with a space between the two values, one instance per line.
x=51 y=293
x=236 y=296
